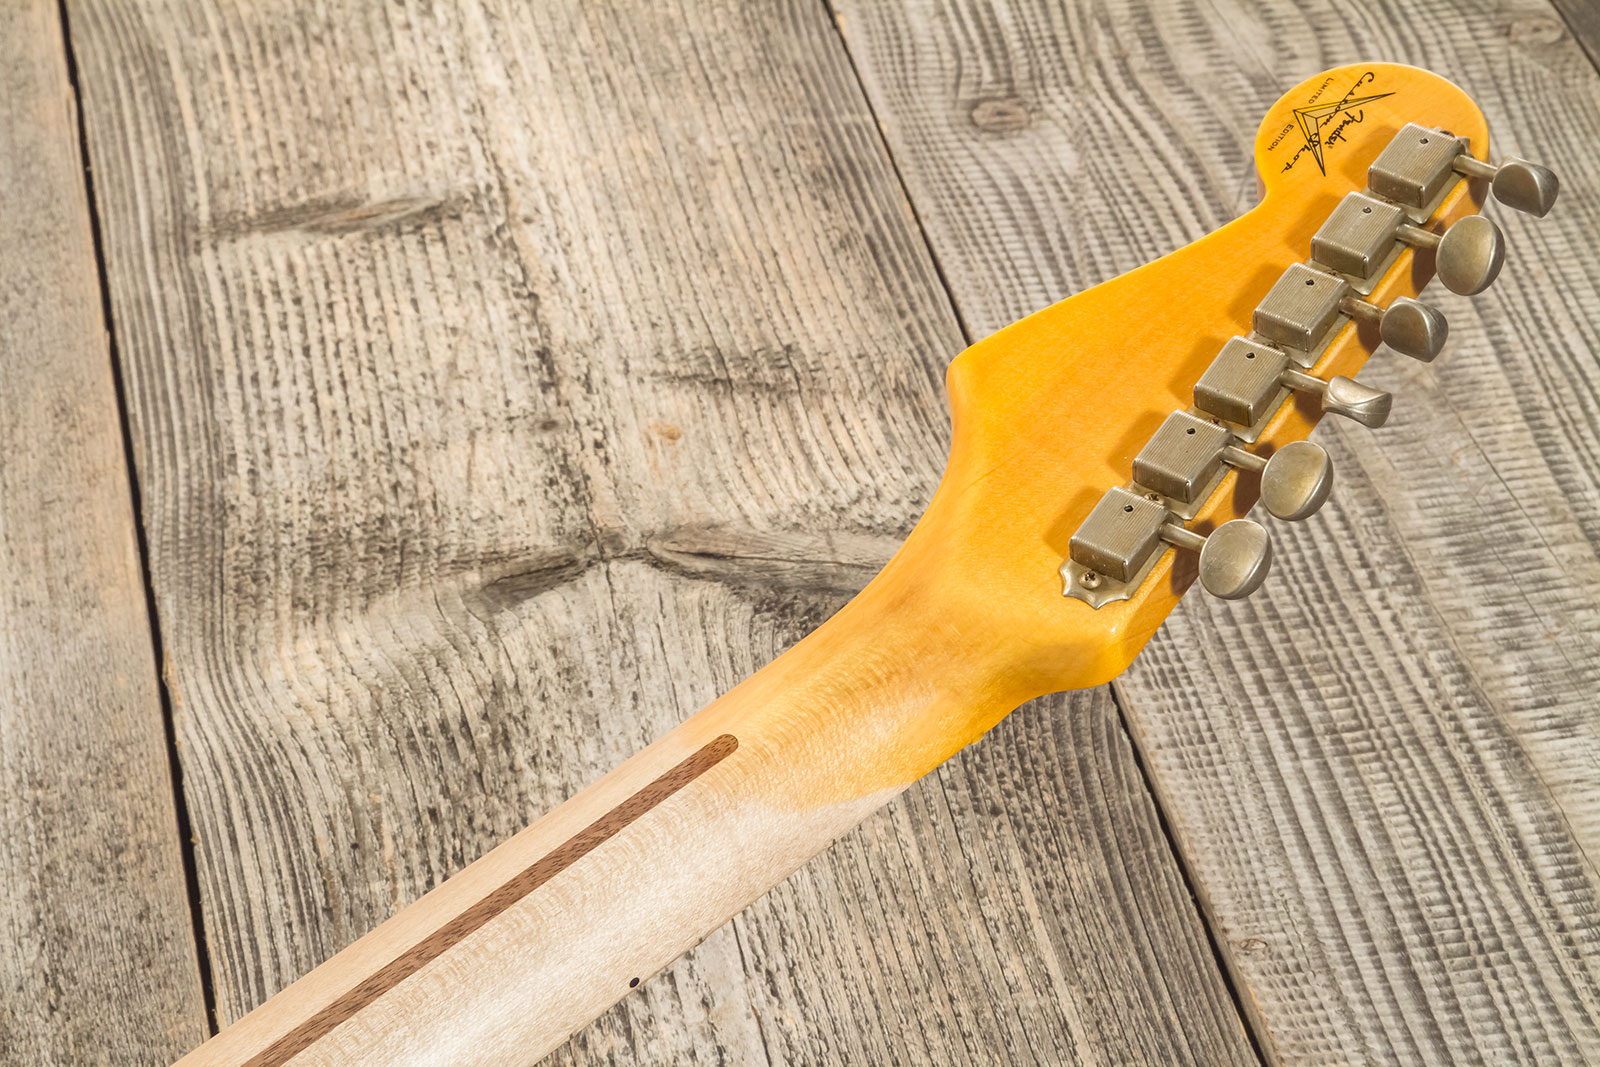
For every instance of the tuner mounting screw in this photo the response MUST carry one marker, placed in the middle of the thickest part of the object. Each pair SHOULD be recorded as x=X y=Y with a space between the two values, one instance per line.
x=1089 y=580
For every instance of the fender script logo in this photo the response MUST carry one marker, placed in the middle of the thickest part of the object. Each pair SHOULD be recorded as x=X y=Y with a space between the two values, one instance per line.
x=1314 y=117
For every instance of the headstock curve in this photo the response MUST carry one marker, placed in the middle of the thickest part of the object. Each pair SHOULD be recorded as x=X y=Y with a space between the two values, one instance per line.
x=1051 y=412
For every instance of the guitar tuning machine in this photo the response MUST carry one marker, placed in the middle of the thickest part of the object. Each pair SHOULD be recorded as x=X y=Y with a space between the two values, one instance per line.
x=1303 y=305
x=1417 y=165
x=1246 y=382
x=1117 y=545
x=1362 y=231
x=1187 y=456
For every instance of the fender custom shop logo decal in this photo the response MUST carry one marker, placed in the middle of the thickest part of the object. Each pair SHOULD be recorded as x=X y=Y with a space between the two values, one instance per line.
x=1321 y=123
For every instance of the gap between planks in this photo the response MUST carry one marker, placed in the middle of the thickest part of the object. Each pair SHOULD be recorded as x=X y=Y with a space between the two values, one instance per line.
x=191 y=874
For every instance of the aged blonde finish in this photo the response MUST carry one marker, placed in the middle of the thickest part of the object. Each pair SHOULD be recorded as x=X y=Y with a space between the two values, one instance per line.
x=1353 y=759
x=964 y=624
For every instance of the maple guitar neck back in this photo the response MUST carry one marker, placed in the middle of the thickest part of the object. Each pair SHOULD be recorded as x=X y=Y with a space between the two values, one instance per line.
x=503 y=961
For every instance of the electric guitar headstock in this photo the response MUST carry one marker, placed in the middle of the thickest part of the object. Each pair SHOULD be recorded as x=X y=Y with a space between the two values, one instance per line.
x=1109 y=447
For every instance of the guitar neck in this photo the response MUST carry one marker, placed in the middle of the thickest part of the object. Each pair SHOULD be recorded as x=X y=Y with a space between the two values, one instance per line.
x=1150 y=375
x=503 y=961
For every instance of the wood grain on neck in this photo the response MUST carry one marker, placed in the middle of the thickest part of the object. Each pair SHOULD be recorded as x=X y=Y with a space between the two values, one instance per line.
x=501 y=962
x=965 y=623
x=524 y=882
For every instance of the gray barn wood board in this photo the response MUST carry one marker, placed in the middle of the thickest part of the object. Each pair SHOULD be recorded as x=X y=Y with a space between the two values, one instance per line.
x=493 y=416
x=97 y=954
x=504 y=381
x=1383 y=771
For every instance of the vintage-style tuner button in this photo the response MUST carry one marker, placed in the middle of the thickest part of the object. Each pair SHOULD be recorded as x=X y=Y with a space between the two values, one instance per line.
x=1468 y=257
x=1344 y=396
x=1295 y=479
x=1408 y=326
x=1516 y=183
x=1234 y=559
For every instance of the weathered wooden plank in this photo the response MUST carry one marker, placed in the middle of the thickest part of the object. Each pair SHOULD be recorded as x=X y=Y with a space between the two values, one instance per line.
x=1381 y=769
x=97 y=955
x=1583 y=20
x=511 y=379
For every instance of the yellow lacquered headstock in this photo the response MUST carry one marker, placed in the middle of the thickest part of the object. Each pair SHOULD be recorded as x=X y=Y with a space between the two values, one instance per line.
x=1050 y=412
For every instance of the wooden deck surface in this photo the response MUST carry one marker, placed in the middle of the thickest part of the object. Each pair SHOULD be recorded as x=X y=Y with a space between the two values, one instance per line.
x=409 y=410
